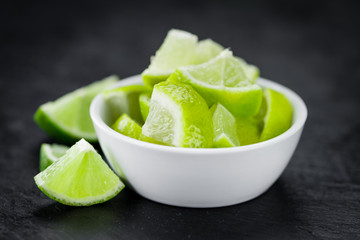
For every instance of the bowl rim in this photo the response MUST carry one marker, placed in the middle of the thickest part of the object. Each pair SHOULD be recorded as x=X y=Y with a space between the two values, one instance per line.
x=294 y=98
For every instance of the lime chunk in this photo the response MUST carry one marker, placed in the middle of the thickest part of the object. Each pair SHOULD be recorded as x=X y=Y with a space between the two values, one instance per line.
x=207 y=49
x=251 y=71
x=128 y=127
x=178 y=49
x=79 y=178
x=222 y=80
x=224 y=127
x=144 y=102
x=125 y=100
x=179 y=117
x=49 y=153
x=68 y=119
x=278 y=115
x=248 y=130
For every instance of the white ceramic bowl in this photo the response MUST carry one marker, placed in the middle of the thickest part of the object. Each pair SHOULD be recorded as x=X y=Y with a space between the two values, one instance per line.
x=198 y=177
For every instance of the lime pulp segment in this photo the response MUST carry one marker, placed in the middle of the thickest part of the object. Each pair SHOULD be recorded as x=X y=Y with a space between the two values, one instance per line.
x=224 y=125
x=178 y=49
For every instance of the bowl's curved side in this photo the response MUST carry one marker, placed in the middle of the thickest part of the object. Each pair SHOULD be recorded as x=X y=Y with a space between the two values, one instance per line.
x=198 y=177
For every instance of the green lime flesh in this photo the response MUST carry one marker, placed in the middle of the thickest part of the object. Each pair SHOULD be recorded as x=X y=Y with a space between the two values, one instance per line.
x=224 y=125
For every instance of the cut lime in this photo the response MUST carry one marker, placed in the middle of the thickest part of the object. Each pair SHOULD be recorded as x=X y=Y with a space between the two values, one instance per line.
x=248 y=130
x=49 y=153
x=79 y=178
x=224 y=126
x=144 y=102
x=126 y=126
x=251 y=71
x=222 y=80
x=278 y=115
x=207 y=49
x=178 y=49
x=179 y=117
x=125 y=100
x=68 y=119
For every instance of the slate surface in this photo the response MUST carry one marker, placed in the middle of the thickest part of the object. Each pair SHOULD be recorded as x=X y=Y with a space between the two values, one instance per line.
x=48 y=49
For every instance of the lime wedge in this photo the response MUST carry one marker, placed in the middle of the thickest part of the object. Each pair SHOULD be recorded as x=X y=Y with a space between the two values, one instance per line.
x=68 y=119
x=248 y=130
x=224 y=125
x=144 y=102
x=178 y=49
x=79 y=178
x=222 y=80
x=125 y=100
x=179 y=117
x=278 y=115
x=251 y=71
x=207 y=49
x=49 y=153
x=126 y=126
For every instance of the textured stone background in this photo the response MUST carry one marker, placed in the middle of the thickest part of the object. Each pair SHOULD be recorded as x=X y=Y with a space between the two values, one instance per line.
x=48 y=49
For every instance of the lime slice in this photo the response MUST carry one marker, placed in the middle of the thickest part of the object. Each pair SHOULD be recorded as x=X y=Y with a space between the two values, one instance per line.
x=68 y=119
x=125 y=100
x=144 y=102
x=179 y=117
x=222 y=80
x=278 y=116
x=79 y=178
x=224 y=125
x=248 y=130
x=251 y=71
x=49 y=153
x=207 y=49
x=178 y=49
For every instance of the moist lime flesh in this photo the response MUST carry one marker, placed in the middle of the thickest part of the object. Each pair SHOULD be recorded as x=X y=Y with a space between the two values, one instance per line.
x=178 y=49
x=79 y=178
x=224 y=125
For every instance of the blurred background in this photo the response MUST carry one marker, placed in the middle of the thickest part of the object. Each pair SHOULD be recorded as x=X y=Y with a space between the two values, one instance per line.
x=48 y=48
